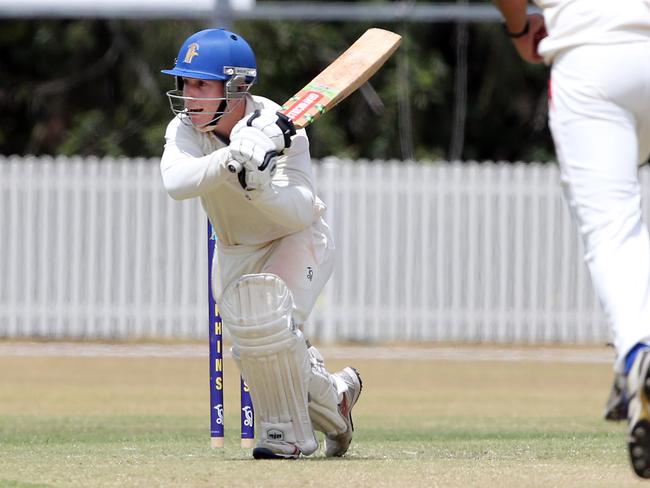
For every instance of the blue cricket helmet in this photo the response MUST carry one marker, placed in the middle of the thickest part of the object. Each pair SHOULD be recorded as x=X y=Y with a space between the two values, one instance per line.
x=215 y=54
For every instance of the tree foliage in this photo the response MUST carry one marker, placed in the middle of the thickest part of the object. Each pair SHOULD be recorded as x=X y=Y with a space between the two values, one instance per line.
x=94 y=87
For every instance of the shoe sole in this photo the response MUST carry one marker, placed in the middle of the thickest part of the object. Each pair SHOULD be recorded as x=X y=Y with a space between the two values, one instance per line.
x=639 y=441
x=264 y=453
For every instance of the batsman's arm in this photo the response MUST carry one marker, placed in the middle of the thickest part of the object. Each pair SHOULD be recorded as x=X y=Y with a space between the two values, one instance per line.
x=525 y=30
x=185 y=171
x=189 y=177
x=291 y=201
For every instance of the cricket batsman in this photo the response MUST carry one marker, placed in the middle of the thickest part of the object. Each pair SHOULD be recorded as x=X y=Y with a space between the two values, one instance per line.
x=599 y=115
x=274 y=251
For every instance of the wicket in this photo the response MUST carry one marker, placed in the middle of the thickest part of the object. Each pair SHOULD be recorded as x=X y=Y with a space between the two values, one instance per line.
x=216 y=372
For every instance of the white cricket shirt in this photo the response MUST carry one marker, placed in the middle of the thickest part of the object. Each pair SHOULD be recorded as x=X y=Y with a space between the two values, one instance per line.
x=193 y=165
x=575 y=22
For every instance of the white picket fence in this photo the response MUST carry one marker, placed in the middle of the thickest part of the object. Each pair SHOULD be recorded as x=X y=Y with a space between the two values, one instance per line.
x=427 y=252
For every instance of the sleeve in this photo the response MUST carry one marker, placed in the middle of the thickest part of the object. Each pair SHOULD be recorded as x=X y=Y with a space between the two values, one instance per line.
x=291 y=200
x=186 y=171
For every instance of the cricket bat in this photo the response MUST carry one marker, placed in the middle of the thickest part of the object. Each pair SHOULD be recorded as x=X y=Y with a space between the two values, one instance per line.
x=347 y=73
x=342 y=77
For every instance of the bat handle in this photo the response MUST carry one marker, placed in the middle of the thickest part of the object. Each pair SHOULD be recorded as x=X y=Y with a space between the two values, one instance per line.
x=234 y=166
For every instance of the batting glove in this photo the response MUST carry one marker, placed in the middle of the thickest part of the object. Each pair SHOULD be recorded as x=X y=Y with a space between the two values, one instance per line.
x=257 y=155
x=277 y=126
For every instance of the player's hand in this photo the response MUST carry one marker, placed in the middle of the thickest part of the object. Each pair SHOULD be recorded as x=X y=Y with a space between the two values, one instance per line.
x=527 y=45
x=257 y=154
x=277 y=126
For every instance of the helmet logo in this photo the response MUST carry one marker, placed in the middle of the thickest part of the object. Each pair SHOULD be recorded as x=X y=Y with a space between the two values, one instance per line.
x=192 y=50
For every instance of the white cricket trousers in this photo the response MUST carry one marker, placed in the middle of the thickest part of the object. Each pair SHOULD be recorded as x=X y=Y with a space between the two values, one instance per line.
x=599 y=115
x=304 y=261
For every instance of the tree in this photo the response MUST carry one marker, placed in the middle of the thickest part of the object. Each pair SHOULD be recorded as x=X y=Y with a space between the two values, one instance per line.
x=94 y=87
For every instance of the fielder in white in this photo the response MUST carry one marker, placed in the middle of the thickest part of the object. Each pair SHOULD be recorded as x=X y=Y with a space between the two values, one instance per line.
x=599 y=108
x=274 y=250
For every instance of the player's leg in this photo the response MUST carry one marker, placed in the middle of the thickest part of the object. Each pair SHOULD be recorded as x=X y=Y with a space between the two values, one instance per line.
x=599 y=102
x=271 y=352
x=333 y=418
x=638 y=367
x=597 y=147
x=305 y=261
x=232 y=262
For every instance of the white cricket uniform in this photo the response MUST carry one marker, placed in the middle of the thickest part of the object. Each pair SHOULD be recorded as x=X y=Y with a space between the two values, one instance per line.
x=282 y=231
x=599 y=115
x=572 y=23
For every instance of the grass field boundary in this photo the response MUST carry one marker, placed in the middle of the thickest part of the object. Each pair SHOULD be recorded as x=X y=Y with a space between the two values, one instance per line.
x=581 y=354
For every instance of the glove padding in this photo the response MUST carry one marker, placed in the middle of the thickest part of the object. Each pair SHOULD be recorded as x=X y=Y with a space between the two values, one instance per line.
x=275 y=125
x=257 y=154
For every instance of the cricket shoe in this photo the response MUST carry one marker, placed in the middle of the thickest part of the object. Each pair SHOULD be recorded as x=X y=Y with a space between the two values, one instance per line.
x=337 y=445
x=638 y=388
x=616 y=407
x=276 y=443
x=280 y=450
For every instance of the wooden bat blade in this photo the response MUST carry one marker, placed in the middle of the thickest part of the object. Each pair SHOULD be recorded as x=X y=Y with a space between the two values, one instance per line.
x=346 y=73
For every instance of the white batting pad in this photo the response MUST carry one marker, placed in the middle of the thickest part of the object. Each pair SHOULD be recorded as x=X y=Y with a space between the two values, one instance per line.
x=256 y=310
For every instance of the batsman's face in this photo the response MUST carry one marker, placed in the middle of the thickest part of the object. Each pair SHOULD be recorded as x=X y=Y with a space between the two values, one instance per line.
x=204 y=98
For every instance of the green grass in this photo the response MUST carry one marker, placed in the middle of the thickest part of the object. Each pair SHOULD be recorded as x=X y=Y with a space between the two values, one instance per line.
x=142 y=422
